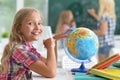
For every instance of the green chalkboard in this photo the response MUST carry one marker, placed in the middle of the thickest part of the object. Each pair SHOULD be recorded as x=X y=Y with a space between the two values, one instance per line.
x=79 y=9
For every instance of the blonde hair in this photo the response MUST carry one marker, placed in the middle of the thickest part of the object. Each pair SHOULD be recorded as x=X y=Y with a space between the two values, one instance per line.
x=15 y=36
x=64 y=18
x=107 y=7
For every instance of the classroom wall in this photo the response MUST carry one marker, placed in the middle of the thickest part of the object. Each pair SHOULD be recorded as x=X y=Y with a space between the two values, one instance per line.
x=79 y=9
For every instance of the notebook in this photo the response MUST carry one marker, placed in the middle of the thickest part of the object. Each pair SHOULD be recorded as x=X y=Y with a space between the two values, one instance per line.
x=83 y=76
x=110 y=73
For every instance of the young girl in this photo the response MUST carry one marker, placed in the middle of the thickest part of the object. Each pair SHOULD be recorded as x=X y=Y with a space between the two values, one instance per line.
x=106 y=26
x=19 y=56
x=65 y=21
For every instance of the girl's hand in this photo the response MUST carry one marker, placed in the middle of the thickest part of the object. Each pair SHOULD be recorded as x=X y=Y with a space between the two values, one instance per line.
x=73 y=23
x=60 y=36
x=49 y=43
x=92 y=12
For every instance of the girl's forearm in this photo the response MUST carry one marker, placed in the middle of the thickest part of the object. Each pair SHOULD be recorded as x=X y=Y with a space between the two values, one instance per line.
x=51 y=60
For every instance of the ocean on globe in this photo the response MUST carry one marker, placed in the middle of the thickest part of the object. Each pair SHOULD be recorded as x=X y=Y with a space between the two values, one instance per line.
x=82 y=43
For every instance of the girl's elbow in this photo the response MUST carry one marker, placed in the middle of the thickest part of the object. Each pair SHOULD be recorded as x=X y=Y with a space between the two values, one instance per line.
x=103 y=33
x=51 y=74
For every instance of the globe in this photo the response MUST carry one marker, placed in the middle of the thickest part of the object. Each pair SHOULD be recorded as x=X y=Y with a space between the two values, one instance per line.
x=80 y=45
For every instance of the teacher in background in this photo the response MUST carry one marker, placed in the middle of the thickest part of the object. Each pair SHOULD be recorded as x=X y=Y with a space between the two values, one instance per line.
x=106 y=26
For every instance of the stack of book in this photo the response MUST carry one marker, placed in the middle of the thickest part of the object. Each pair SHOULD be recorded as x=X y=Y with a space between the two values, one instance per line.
x=103 y=68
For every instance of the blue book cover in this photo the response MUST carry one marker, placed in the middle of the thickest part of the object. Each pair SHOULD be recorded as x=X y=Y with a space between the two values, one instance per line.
x=84 y=76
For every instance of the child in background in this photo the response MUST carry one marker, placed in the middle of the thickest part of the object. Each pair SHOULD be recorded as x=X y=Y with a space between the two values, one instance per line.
x=65 y=22
x=19 y=56
x=106 y=27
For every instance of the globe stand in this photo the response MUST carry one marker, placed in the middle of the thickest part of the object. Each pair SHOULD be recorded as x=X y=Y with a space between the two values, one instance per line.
x=80 y=69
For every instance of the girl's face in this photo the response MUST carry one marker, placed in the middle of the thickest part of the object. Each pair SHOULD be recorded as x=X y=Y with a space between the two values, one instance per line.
x=32 y=27
x=70 y=17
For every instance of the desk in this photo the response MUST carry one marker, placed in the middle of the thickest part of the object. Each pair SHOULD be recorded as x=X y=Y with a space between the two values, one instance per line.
x=62 y=74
